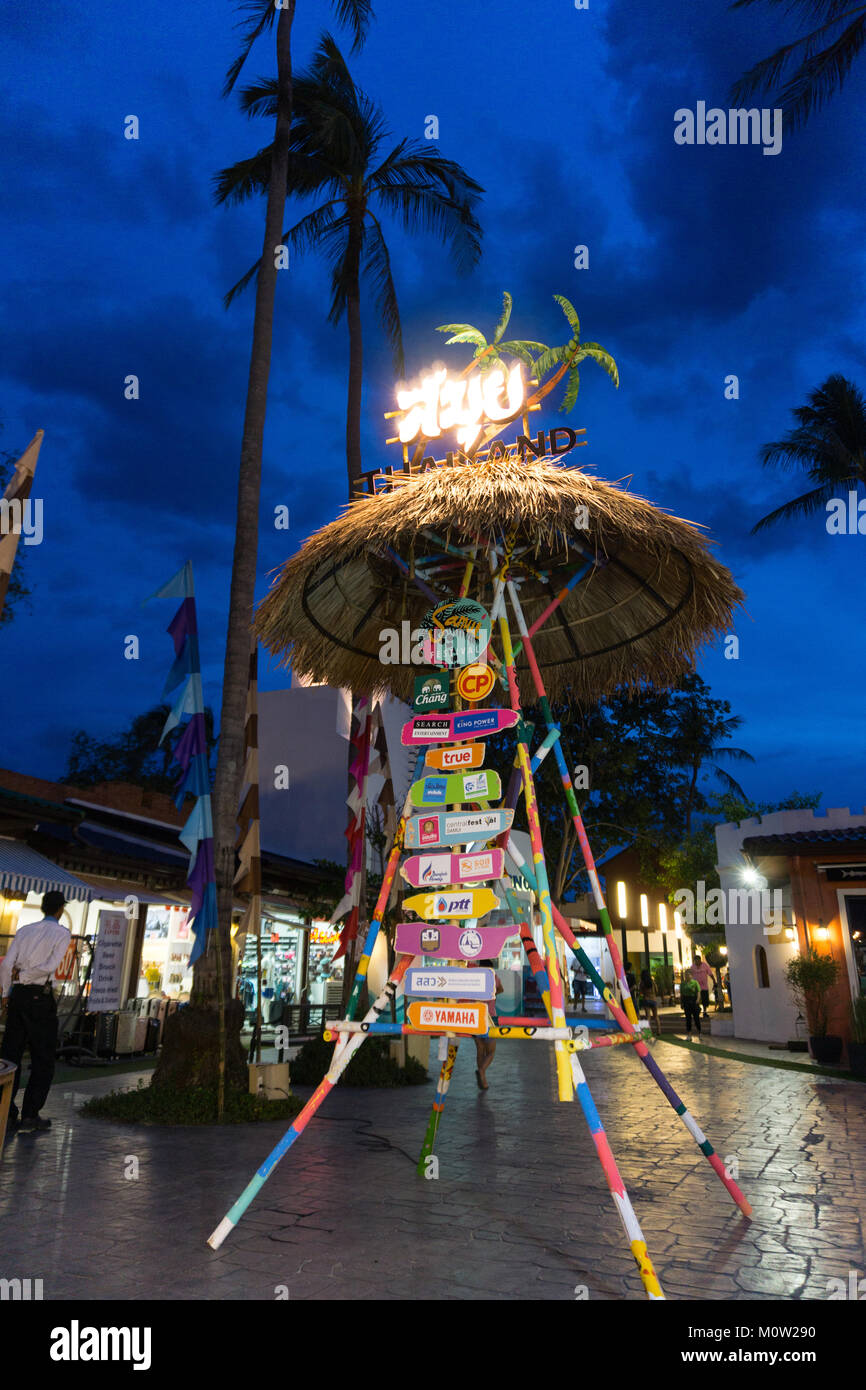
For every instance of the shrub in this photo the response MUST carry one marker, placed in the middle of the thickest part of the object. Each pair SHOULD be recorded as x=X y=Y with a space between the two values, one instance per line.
x=194 y=1105
x=370 y=1066
x=810 y=976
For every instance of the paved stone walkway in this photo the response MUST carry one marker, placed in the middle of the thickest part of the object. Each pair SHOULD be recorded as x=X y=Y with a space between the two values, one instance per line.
x=520 y=1208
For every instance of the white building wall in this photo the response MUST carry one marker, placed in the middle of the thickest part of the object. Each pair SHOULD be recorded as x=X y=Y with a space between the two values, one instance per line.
x=766 y=1015
x=303 y=729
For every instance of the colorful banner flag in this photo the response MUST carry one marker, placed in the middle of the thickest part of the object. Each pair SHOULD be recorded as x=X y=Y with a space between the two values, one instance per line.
x=190 y=753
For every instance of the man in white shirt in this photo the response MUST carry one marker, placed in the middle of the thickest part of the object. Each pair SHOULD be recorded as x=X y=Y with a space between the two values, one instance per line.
x=26 y=975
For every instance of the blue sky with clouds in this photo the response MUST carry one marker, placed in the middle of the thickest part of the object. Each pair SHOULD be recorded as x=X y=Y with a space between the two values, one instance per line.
x=704 y=261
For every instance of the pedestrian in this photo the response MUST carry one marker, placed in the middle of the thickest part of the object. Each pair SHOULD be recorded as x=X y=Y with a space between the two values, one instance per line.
x=579 y=977
x=690 y=992
x=485 y=1047
x=26 y=973
x=649 y=1000
x=700 y=971
x=629 y=976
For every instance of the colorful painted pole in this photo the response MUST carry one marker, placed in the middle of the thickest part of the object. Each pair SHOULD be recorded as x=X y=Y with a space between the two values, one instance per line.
x=640 y=1046
x=444 y=1082
x=339 y=1062
x=571 y=802
x=382 y=900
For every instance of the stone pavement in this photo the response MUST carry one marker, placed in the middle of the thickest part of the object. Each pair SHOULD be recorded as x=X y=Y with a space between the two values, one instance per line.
x=520 y=1208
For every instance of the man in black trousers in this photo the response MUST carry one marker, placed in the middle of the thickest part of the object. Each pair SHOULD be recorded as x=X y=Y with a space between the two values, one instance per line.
x=26 y=976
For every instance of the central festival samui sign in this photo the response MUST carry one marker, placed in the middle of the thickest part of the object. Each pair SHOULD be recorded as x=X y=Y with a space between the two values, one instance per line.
x=456 y=828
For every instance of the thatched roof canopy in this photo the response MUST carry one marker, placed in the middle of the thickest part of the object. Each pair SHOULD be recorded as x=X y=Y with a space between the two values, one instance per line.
x=653 y=597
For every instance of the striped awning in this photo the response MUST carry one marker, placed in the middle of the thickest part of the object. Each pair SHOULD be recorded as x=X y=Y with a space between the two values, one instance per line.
x=25 y=870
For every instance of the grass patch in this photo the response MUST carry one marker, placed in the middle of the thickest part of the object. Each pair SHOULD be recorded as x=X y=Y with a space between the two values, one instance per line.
x=777 y=1062
x=163 y=1105
x=371 y=1066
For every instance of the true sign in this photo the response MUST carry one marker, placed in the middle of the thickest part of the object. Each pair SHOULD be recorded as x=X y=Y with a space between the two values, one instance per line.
x=449 y=759
x=460 y=903
x=456 y=984
x=461 y=786
x=439 y=870
x=456 y=827
x=448 y=1018
x=448 y=728
x=451 y=941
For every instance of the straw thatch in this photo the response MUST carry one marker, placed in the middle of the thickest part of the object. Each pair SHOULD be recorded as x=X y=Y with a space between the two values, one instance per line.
x=656 y=596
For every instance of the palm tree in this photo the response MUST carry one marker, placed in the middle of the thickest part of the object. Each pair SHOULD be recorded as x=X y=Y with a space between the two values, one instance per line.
x=828 y=444
x=486 y=355
x=813 y=67
x=214 y=969
x=336 y=151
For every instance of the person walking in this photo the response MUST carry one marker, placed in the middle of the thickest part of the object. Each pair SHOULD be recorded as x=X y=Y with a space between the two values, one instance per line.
x=629 y=976
x=26 y=974
x=649 y=1000
x=690 y=993
x=485 y=1047
x=700 y=971
x=579 y=979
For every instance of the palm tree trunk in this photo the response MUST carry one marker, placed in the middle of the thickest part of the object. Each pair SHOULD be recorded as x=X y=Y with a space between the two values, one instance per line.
x=356 y=357
x=213 y=971
x=696 y=767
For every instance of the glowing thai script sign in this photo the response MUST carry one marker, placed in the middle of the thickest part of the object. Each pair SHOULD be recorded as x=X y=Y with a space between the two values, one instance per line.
x=465 y=404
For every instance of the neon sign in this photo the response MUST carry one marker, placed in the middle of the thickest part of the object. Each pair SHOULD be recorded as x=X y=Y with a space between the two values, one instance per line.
x=465 y=404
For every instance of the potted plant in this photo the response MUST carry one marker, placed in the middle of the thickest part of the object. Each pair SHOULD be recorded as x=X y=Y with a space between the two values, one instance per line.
x=663 y=979
x=810 y=978
x=857 y=1043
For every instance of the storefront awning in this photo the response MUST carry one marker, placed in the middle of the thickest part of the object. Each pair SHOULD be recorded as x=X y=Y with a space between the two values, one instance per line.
x=115 y=891
x=25 y=870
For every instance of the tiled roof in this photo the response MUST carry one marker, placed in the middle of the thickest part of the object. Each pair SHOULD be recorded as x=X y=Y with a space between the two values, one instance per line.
x=842 y=838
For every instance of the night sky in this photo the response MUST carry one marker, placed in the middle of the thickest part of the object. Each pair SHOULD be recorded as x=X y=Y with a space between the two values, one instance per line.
x=704 y=261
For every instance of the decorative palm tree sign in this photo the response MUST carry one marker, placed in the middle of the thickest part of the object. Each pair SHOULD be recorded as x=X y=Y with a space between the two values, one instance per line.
x=587 y=588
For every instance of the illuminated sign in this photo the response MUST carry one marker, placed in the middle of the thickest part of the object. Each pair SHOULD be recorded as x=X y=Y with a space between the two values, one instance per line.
x=465 y=404
x=324 y=935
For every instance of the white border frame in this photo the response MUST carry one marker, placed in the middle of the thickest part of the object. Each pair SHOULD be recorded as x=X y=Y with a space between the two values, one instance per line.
x=853 y=977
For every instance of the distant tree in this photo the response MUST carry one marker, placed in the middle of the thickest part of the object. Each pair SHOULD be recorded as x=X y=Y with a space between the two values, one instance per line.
x=828 y=445
x=132 y=756
x=693 y=858
x=696 y=727
x=812 y=68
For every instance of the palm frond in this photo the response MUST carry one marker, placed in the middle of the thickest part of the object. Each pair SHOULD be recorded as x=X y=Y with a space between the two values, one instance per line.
x=464 y=335
x=603 y=358
x=549 y=358
x=378 y=264
x=356 y=16
x=504 y=317
x=261 y=15
x=806 y=505
x=572 y=388
x=570 y=313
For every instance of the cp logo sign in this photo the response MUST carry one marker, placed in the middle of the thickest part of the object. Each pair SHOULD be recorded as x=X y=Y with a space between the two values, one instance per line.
x=475 y=682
